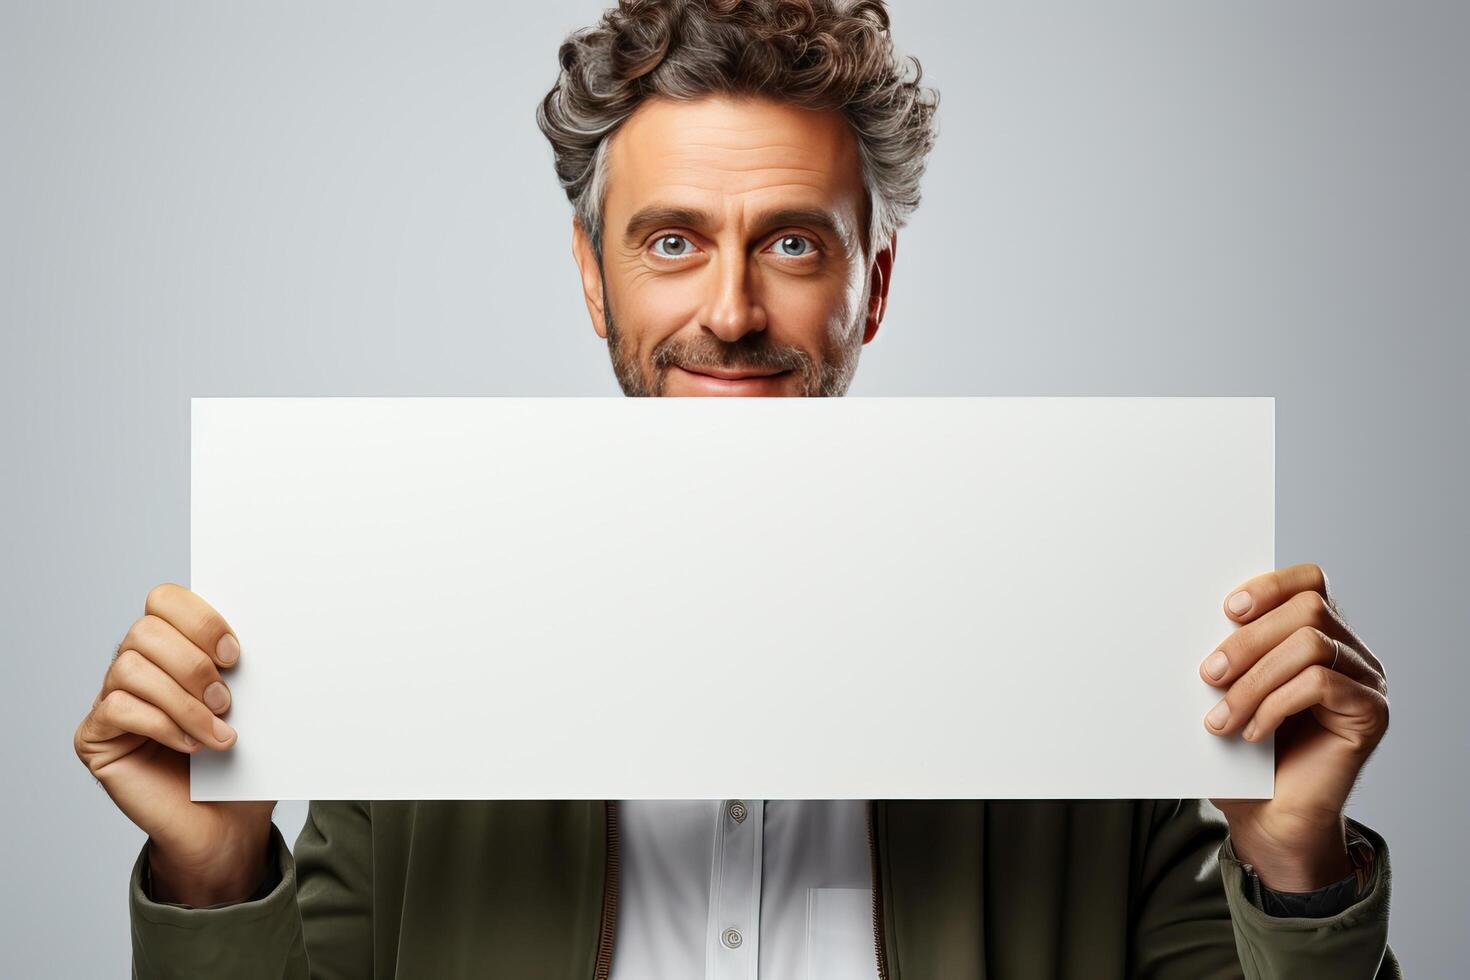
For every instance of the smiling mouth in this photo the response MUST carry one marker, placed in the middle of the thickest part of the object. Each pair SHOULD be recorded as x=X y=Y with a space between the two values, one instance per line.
x=733 y=374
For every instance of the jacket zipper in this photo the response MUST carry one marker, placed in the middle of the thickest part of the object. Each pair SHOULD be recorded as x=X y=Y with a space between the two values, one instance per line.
x=603 y=966
x=880 y=943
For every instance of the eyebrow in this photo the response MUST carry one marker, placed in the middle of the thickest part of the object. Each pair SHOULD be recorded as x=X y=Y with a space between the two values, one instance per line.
x=657 y=215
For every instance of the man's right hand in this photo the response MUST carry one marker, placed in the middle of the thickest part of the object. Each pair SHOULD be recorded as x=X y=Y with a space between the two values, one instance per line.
x=160 y=702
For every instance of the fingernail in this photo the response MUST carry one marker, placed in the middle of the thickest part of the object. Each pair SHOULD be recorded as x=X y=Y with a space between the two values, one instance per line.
x=217 y=696
x=1217 y=717
x=228 y=650
x=1240 y=603
x=1216 y=664
x=222 y=732
x=190 y=742
x=1250 y=732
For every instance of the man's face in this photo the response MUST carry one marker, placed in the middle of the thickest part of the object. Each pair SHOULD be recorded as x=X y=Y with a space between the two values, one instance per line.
x=733 y=251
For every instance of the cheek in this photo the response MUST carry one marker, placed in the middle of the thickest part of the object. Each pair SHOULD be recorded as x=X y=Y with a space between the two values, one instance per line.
x=650 y=308
x=814 y=312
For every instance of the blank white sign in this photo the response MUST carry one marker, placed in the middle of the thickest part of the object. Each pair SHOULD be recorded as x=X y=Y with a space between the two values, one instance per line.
x=526 y=598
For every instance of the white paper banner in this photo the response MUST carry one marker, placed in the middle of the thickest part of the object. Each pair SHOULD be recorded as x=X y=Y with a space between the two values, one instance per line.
x=513 y=598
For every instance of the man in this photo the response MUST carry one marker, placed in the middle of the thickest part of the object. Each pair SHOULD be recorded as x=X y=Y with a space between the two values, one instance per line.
x=738 y=172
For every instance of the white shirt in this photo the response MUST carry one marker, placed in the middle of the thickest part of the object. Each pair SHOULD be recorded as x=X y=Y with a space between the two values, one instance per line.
x=744 y=890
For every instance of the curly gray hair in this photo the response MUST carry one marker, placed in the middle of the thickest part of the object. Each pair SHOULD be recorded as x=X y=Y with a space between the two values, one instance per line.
x=817 y=54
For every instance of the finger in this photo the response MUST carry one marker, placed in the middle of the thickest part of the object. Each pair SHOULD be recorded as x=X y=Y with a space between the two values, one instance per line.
x=1305 y=647
x=1239 y=652
x=1257 y=596
x=124 y=713
x=196 y=619
x=171 y=650
x=136 y=674
x=1340 y=704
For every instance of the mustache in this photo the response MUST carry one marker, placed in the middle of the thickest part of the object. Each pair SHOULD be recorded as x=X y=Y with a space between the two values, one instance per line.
x=752 y=352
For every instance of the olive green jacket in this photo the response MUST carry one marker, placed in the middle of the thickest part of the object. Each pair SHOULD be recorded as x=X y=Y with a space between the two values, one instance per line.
x=962 y=890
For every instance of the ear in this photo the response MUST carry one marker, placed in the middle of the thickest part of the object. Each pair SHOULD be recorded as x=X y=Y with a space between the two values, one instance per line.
x=879 y=276
x=591 y=271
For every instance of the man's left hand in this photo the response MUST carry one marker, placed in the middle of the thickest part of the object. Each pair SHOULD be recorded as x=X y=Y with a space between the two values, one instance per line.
x=1295 y=668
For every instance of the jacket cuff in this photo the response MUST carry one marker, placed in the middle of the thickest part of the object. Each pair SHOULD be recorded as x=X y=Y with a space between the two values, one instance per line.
x=1322 y=902
x=1351 y=943
x=241 y=939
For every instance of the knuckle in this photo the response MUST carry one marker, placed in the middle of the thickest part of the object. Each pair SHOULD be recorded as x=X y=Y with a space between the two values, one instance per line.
x=1379 y=710
x=160 y=594
x=1319 y=677
x=1269 y=709
x=1308 y=576
x=126 y=668
x=1313 y=606
x=212 y=624
x=144 y=630
x=1245 y=691
x=112 y=704
x=201 y=672
x=150 y=627
x=1312 y=639
x=197 y=716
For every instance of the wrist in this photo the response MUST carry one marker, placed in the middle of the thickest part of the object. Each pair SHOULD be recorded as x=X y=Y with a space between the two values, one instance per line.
x=232 y=875
x=1303 y=863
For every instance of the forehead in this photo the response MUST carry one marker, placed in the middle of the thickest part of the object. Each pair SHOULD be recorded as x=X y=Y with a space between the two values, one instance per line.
x=710 y=152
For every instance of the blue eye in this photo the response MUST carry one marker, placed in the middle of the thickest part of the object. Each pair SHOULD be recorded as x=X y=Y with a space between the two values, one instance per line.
x=793 y=246
x=672 y=246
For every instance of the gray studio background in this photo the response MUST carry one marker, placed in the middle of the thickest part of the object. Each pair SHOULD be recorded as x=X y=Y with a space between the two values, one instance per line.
x=1131 y=198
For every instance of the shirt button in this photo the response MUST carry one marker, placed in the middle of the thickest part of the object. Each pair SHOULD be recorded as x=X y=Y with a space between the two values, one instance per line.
x=737 y=811
x=731 y=938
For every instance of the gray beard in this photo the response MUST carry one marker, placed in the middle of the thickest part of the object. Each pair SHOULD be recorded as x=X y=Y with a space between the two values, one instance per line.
x=829 y=379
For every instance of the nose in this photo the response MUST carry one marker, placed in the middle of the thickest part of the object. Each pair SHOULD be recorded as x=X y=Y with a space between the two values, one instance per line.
x=731 y=310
